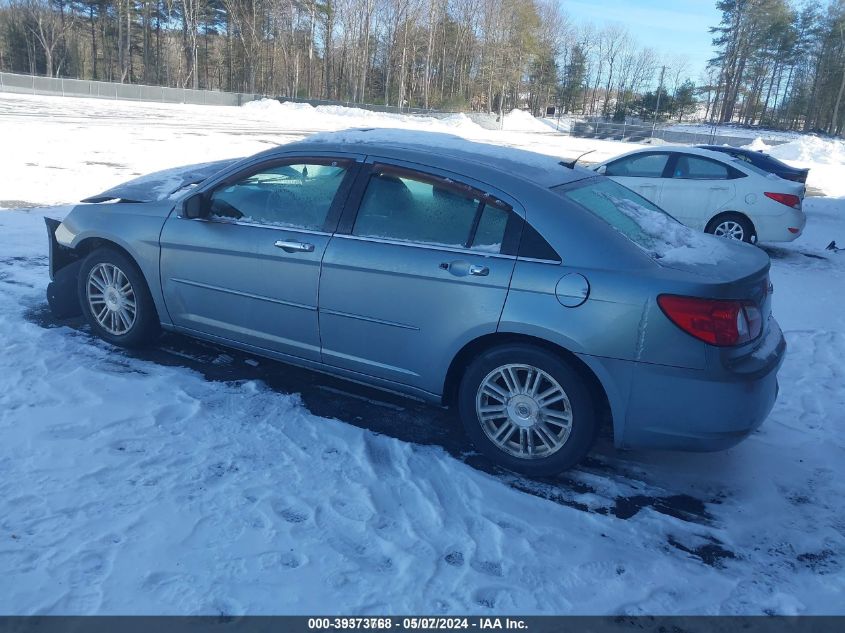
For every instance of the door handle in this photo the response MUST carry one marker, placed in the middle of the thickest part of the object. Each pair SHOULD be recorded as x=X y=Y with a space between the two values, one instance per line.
x=295 y=247
x=462 y=268
x=479 y=271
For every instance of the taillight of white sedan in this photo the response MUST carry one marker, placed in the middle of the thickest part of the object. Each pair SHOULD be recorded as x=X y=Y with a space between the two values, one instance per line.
x=713 y=192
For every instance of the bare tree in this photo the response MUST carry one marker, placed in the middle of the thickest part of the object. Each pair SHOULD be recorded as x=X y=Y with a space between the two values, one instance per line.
x=49 y=24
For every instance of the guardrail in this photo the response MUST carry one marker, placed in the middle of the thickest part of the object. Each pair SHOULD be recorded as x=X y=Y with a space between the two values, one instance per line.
x=59 y=86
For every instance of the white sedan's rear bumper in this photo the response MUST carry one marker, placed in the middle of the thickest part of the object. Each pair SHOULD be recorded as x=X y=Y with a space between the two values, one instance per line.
x=784 y=227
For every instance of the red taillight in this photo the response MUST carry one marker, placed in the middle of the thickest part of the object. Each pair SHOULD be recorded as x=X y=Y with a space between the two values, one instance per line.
x=788 y=199
x=716 y=321
x=794 y=230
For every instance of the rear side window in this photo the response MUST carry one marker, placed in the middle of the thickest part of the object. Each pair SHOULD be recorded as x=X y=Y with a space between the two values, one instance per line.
x=690 y=167
x=639 y=166
x=491 y=229
x=410 y=207
x=751 y=167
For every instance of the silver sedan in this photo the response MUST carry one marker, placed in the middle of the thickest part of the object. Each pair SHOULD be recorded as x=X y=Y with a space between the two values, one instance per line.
x=540 y=300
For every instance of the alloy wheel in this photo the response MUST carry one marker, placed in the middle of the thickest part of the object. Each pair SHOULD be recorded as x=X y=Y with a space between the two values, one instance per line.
x=111 y=298
x=730 y=229
x=524 y=411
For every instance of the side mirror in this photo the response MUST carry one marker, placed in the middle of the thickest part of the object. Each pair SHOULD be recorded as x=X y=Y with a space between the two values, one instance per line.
x=195 y=206
x=601 y=169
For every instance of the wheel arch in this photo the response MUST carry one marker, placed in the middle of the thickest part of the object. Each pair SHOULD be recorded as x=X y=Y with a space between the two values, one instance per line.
x=91 y=243
x=88 y=245
x=488 y=341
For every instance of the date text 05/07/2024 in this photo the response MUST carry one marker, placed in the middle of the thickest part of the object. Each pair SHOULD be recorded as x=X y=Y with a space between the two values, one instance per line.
x=416 y=623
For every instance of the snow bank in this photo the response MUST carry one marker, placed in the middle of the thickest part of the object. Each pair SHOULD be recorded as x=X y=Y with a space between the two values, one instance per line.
x=758 y=145
x=274 y=106
x=522 y=121
x=812 y=149
x=825 y=158
x=330 y=117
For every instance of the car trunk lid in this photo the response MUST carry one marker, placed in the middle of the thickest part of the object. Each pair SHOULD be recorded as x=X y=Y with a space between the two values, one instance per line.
x=738 y=272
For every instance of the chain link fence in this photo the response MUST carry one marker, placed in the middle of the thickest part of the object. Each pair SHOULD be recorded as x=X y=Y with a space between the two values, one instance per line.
x=586 y=128
x=58 y=86
x=643 y=133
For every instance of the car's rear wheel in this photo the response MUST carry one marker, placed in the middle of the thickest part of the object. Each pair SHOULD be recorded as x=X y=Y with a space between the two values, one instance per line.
x=732 y=226
x=115 y=299
x=527 y=409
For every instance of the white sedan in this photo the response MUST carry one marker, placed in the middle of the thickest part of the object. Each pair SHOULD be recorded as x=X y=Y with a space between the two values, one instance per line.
x=713 y=192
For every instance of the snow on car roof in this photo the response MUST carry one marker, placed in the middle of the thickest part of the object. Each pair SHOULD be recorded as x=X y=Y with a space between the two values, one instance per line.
x=541 y=169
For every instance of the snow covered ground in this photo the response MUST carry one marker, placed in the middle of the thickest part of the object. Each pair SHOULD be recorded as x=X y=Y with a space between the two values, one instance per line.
x=191 y=479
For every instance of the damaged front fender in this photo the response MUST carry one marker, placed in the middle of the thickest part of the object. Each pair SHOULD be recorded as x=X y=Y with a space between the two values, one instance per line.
x=62 y=294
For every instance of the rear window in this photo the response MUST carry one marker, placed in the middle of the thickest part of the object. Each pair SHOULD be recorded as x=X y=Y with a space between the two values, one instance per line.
x=747 y=164
x=617 y=205
x=645 y=224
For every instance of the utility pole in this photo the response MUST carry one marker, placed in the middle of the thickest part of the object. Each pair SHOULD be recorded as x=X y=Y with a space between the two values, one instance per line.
x=657 y=107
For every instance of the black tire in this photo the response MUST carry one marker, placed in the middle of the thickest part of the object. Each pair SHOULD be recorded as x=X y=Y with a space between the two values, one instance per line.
x=749 y=235
x=584 y=424
x=145 y=326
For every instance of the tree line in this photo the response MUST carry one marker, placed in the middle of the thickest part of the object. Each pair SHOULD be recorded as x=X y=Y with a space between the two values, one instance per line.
x=778 y=63
x=447 y=54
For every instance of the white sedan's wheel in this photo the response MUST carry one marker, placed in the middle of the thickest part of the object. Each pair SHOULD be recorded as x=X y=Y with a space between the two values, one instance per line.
x=730 y=229
x=733 y=226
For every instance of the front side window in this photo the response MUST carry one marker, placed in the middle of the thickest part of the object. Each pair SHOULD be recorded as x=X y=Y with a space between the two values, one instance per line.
x=639 y=166
x=296 y=195
x=408 y=207
x=691 y=167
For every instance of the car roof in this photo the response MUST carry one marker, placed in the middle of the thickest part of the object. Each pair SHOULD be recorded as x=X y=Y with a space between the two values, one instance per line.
x=481 y=160
x=676 y=149
x=729 y=149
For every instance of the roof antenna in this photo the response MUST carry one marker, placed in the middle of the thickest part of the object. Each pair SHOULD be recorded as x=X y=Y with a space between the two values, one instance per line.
x=570 y=164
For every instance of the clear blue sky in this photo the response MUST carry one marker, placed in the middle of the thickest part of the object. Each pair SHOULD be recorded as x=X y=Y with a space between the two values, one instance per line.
x=668 y=26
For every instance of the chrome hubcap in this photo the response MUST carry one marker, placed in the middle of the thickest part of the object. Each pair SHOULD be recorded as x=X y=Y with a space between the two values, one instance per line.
x=111 y=298
x=524 y=411
x=730 y=229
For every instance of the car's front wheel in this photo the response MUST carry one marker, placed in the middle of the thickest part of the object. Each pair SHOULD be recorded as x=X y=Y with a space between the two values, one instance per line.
x=115 y=299
x=527 y=409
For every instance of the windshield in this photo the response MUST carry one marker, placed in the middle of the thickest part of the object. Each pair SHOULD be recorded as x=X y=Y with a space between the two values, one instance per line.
x=645 y=224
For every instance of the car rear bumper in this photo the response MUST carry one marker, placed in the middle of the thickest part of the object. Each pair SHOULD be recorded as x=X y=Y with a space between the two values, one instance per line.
x=782 y=228
x=703 y=410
